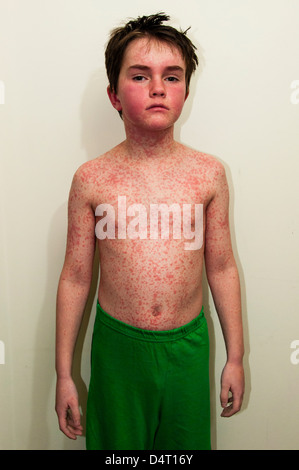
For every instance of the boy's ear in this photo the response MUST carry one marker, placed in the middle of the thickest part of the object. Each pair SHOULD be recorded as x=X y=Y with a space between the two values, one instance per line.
x=114 y=99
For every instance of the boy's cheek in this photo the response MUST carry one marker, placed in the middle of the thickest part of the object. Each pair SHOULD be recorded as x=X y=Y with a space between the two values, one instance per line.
x=133 y=103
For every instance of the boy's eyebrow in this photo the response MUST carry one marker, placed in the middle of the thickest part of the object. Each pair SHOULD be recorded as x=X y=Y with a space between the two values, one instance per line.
x=170 y=68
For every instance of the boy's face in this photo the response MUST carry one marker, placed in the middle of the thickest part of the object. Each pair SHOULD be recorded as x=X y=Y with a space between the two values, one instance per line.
x=151 y=87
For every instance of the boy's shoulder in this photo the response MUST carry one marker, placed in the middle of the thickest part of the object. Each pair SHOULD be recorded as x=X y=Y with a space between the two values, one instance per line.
x=204 y=161
x=91 y=170
x=87 y=181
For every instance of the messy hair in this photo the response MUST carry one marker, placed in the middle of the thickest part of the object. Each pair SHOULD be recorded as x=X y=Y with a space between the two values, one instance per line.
x=151 y=27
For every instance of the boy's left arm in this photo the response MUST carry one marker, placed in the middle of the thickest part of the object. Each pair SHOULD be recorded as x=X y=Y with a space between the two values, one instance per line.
x=223 y=278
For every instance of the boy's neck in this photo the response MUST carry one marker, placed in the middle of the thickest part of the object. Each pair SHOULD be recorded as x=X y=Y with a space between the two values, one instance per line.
x=150 y=146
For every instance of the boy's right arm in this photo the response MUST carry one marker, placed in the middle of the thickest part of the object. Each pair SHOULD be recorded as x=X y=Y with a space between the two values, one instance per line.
x=73 y=290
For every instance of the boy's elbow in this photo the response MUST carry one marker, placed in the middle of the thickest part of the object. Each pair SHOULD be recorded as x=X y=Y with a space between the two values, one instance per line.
x=77 y=274
x=220 y=264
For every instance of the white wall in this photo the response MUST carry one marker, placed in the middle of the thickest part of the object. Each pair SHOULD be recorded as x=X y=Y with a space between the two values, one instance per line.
x=56 y=115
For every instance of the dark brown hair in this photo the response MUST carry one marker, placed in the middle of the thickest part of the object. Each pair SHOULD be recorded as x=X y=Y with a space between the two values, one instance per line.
x=151 y=27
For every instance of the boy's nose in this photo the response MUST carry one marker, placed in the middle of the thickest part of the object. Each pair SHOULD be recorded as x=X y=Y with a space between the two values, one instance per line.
x=157 y=88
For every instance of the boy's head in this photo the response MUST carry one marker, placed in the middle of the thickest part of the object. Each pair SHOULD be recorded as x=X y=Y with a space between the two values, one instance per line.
x=148 y=27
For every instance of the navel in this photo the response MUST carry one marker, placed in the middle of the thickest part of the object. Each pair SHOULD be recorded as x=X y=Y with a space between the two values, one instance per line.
x=156 y=310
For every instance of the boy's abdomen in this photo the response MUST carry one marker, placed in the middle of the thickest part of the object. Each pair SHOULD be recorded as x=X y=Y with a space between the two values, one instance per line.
x=149 y=284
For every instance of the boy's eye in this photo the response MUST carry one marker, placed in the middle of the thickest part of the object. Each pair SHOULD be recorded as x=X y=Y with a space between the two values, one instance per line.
x=139 y=78
x=172 y=79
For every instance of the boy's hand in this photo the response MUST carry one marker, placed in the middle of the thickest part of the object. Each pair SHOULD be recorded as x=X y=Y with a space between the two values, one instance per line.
x=232 y=380
x=67 y=408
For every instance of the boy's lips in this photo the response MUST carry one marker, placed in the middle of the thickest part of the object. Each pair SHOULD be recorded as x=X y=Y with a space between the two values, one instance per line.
x=157 y=105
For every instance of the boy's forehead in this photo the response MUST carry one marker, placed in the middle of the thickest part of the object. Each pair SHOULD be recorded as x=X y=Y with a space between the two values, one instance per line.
x=152 y=50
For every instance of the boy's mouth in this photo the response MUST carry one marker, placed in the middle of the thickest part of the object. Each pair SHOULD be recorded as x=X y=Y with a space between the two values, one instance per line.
x=157 y=105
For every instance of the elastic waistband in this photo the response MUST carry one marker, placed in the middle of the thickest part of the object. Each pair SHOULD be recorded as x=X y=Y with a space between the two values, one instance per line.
x=149 y=335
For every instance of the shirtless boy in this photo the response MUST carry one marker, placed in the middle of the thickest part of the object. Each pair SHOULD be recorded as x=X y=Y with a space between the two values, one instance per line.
x=149 y=384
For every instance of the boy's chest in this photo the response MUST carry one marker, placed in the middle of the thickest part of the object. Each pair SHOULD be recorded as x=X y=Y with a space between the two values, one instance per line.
x=148 y=186
x=166 y=204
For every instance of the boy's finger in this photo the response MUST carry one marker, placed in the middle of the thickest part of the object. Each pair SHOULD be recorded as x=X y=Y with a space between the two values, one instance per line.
x=74 y=417
x=224 y=396
x=233 y=408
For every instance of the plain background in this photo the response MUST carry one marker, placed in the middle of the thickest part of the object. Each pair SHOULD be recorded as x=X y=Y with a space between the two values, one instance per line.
x=55 y=115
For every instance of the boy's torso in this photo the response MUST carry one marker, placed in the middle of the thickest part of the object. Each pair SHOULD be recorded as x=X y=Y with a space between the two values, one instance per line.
x=149 y=278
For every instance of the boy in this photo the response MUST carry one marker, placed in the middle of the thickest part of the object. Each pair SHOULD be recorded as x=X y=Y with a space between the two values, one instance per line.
x=149 y=385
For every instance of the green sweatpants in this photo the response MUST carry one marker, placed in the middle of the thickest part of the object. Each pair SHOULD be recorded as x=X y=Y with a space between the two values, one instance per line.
x=149 y=390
